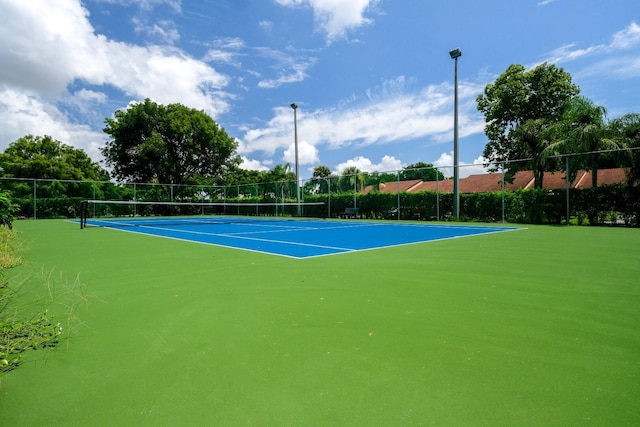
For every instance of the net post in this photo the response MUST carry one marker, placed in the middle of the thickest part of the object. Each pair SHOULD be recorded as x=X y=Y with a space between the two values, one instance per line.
x=84 y=207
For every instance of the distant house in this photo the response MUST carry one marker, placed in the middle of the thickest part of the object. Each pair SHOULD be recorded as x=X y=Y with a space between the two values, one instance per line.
x=493 y=182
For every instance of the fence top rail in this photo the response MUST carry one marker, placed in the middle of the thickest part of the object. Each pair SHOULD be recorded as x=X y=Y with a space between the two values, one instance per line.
x=250 y=204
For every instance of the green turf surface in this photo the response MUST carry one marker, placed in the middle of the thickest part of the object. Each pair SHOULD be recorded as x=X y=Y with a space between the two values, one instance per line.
x=531 y=328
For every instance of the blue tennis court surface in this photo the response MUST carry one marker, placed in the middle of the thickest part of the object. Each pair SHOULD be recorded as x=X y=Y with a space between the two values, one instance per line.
x=299 y=238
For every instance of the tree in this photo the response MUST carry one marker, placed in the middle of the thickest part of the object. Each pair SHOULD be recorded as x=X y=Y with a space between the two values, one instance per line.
x=279 y=173
x=627 y=130
x=519 y=107
x=319 y=183
x=7 y=209
x=280 y=180
x=45 y=158
x=422 y=171
x=170 y=144
x=374 y=179
x=321 y=172
x=351 y=179
x=583 y=129
x=236 y=175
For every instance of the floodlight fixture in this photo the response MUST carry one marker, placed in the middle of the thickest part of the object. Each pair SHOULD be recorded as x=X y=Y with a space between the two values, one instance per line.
x=455 y=53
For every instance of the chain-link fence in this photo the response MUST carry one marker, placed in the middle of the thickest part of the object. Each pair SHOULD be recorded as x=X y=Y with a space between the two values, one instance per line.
x=506 y=192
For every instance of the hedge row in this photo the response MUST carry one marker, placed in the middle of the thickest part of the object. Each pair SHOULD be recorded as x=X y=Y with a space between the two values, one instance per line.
x=607 y=204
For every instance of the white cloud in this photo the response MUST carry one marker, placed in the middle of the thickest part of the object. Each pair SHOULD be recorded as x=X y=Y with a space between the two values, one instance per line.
x=91 y=95
x=251 y=164
x=226 y=50
x=267 y=26
x=296 y=73
x=444 y=164
x=389 y=116
x=307 y=154
x=164 y=30
x=290 y=68
x=622 y=40
x=286 y=66
x=626 y=38
x=568 y=53
x=335 y=17
x=168 y=76
x=544 y=2
x=147 y=5
x=606 y=59
x=387 y=164
x=61 y=47
x=23 y=115
x=85 y=102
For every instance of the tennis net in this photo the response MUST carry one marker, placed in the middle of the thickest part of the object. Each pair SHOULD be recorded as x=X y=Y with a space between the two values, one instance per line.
x=117 y=213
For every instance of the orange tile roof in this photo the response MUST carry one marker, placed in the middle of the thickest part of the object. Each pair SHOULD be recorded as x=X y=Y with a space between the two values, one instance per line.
x=493 y=182
x=392 y=187
x=605 y=177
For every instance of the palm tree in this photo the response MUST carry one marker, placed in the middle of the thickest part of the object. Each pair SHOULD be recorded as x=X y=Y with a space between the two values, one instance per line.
x=627 y=130
x=351 y=179
x=583 y=129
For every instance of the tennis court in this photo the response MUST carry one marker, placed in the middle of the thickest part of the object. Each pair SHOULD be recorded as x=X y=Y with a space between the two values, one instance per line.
x=293 y=238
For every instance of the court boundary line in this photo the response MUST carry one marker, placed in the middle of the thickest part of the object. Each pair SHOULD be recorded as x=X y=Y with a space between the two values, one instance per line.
x=234 y=236
x=340 y=250
x=417 y=243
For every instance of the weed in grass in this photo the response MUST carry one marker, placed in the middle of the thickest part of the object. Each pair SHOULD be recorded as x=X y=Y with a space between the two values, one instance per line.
x=9 y=249
x=30 y=306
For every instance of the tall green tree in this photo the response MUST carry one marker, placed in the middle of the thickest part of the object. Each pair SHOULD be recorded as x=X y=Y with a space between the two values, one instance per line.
x=421 y=170
x=279 y=173
x=170 y=144
x=321 y=172
x=236 y=175
x=351 y=179
x=40 y=157
x=519 y=107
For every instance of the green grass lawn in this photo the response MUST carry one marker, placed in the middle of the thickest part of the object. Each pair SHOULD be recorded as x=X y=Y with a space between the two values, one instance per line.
x=530 y=328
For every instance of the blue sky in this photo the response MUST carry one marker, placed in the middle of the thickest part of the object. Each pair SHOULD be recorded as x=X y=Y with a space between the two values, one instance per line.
x=373 y=78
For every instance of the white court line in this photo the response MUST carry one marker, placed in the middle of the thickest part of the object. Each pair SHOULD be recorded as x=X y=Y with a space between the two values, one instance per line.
x=495 y=229
x=302 y=229
x=231 y=236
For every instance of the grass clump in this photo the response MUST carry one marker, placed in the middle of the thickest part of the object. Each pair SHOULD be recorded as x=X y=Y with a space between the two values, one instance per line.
x=9 y=249
x=28 y=307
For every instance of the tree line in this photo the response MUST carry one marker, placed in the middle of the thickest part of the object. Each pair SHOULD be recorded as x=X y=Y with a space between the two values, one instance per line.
x=538 y=115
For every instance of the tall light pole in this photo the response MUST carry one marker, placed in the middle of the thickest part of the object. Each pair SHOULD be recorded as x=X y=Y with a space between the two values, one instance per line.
x=455 y=54
x=295 y=136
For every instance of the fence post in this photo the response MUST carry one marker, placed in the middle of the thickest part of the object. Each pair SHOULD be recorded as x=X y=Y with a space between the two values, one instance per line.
x=355 y=181
x=568 y=185
x=35 y=200
x=437 y=196
x=329 y=198
x=398 y=191
x=502 y=183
